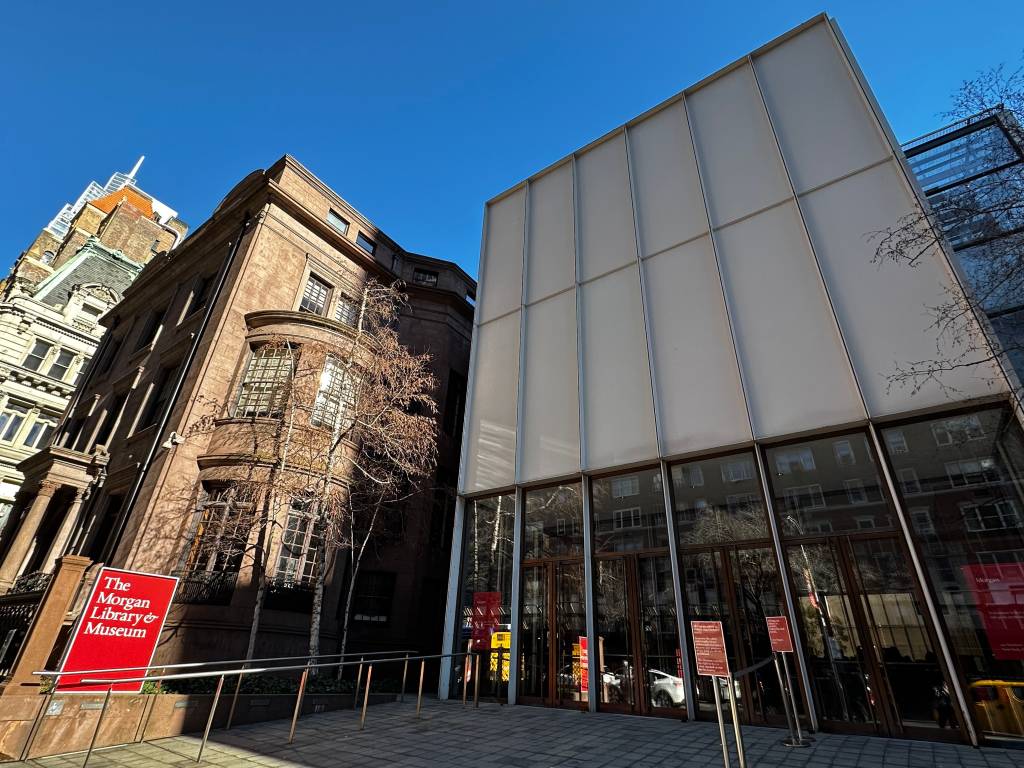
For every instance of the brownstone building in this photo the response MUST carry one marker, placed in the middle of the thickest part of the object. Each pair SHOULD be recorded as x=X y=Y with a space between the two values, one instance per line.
x=130 y=482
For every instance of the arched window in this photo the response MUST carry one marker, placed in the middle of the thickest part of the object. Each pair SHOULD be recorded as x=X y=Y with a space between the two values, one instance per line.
x=48 y=257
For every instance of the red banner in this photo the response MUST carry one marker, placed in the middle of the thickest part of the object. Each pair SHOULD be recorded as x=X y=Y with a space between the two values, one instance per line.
x=119 y=627
x=584 y=665
x=709 y=648
x=486 y=618
x=999 y=596
x=778 y=634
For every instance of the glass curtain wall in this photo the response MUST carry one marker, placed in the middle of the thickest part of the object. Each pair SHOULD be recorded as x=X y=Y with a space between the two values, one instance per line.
x=729 y=574
x=638 y=656
x=486 y=598
x=960 y=481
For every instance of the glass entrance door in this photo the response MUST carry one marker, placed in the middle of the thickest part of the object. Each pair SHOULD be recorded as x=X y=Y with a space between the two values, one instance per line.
x=869 y=650
x=639 y=666
x=553 y=622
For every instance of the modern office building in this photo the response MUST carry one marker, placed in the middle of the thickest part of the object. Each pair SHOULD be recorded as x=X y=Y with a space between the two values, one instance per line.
x=680 y=407
x=172 y=417
x=973 y=174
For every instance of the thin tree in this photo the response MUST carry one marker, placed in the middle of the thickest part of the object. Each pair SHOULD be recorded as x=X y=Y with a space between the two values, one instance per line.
x=991 y=208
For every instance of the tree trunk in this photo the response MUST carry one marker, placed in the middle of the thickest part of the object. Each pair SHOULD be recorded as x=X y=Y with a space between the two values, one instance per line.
x=357 y=558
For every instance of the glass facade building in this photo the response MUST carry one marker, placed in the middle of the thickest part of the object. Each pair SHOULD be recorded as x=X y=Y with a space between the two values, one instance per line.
x=678 y=410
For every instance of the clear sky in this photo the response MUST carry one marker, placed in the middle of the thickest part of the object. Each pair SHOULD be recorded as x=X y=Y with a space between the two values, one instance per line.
x=415 y=112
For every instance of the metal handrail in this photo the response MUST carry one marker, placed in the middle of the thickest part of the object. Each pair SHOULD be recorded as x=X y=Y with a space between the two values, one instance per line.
x=193 y=664
x=242 y=671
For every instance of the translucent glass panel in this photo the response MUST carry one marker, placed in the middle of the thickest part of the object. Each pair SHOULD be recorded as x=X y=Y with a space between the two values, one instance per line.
x=700 y=400
x=502 y=267
x=798 y=374
x=824 y=125
x=740 y=161
x=551 y=255
x=883 y=310
x=606 y=235
x=491 y=440
x=669 y=203
x=618 y=406
x=551 y=424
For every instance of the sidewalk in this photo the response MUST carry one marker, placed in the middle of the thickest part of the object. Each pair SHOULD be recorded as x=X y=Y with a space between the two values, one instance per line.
x=522 y=737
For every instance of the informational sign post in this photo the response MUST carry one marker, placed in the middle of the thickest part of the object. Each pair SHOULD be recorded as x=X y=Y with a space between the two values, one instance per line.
x=781 y=640
x=119 y=627
x=713 y=661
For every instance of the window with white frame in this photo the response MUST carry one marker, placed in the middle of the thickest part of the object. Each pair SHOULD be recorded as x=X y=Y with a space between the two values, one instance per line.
x=625 y=486
x=11 y=419
x=993 y=515
x=843 y=452
x=909 y=483
x=338 y=222
x=855 y=491
x=222 y=534
x=347 y=310
x=626 y=518
x=896 y=441
x=263 y=387
x=688 y=475
x=299 y=558
x=972 y=472
x=60 y=365
x=957 y=430
x=737 y=471
x=315 y=296
x=335 y=398
x=38 y=435
x=804 y=497
x=921 y=520
x=35 y=357
x=795 y=460
x=864 y=522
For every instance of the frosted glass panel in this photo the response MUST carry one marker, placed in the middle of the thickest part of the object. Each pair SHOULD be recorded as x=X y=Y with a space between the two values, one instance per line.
x=742 y=169
x=883 y=310
x=797 y=372
x=670 y=207
x=502 y=268
x=823 y=122
x=618 y=406
x=605 y=208
x=550 y=440
x=491 y=439
x=551 y=254
x=700 y=400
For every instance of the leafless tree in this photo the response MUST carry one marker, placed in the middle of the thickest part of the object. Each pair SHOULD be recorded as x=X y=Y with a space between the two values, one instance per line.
x=991 y=209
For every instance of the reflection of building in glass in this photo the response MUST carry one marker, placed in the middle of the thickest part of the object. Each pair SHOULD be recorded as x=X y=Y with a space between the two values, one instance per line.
x=973 y=174
x=679 y=403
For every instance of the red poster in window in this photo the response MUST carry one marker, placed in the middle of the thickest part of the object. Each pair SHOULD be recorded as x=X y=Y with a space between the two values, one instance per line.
x=778 y=634
x=999 y=595
x=119 y=627
x=584 y=665
x=486 y=618
x=709 y=648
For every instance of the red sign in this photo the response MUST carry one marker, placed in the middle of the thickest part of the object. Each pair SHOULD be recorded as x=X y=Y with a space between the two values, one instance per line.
x=584 y=665
x=119 y=627
x=709 y=648
x=999 y=596
x=486 y=617
x=778 y=634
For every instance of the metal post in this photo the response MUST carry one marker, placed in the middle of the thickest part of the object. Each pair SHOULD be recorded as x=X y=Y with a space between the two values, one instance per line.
x=476 y=681
x=796 y=714
x=366 y=696
x=99 y=721
x=209 y=720
x=736 y=723
x=35 y=723
x=234 y=702
x=405 y=671
x=785 y=698
x=298 y=703
x=419 y=695
x=465 y=678
x=359 y=680
x=721 y=722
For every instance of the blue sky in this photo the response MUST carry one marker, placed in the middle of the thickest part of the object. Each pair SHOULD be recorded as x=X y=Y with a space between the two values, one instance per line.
x=415 y=112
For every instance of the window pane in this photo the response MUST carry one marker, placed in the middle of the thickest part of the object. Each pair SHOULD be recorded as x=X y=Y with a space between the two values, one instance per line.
x=554 y=522
x=629 y=512
x=263 y=387
x=366 y=243
x=37 y=354
x=11 y=420
x=718 y=500
x=347 y=310
x=335 y=398
x=59 y=368
x=960 y=481
x=314 y=297
x=827 y=485
x=337 y=222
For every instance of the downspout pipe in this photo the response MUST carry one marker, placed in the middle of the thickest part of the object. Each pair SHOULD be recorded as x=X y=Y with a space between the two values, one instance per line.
x=165 y=417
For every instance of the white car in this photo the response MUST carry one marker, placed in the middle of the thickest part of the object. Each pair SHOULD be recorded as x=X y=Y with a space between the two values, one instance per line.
x=666 y=690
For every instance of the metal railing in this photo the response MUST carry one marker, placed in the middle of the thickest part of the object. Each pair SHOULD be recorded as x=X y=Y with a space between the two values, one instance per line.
x=367 y=660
